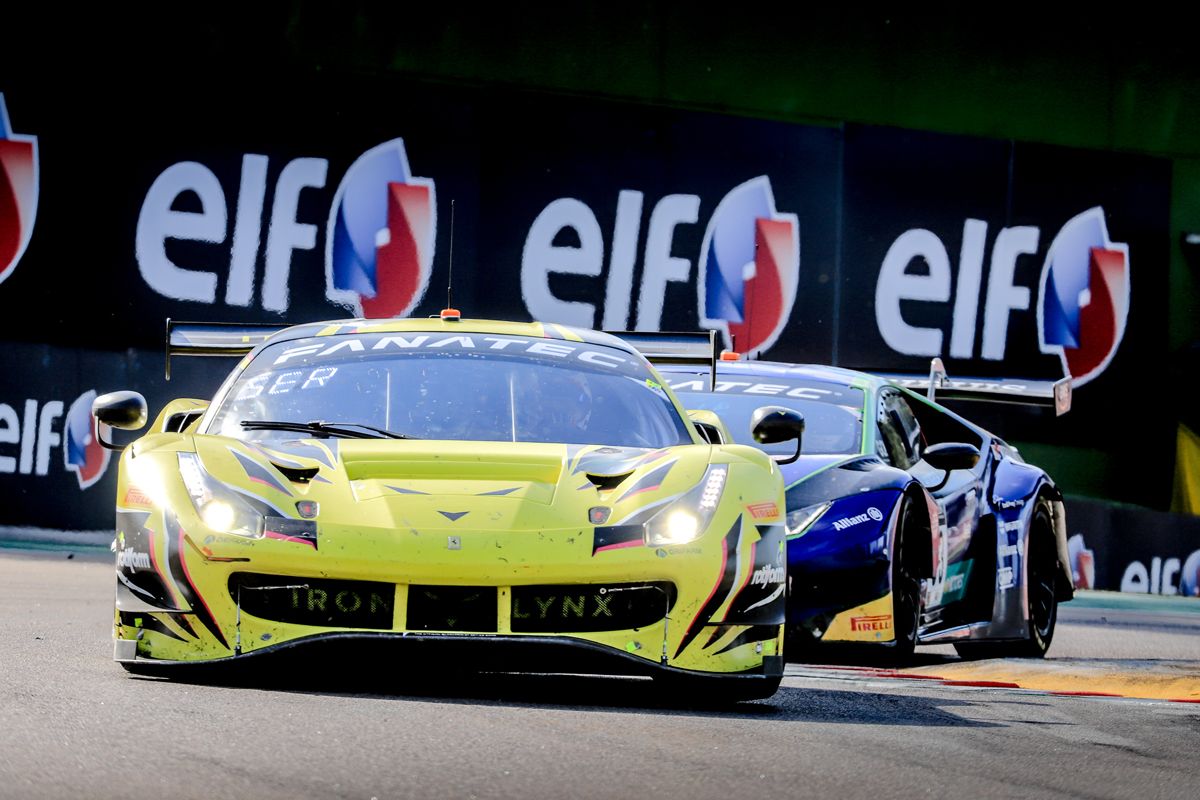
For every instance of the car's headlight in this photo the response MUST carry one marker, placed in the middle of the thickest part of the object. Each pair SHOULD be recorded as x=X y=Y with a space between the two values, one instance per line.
x=801 y=519
x=219 y=508
x=687 y=518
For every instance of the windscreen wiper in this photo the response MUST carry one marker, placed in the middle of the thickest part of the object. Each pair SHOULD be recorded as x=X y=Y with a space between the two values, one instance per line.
x=344 y=430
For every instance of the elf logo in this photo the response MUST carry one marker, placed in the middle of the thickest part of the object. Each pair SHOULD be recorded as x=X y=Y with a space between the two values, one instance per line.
x=28 y=437
x=378 y=243
x=749 y=266
x=1081 y=309
x=82 y=453
x=1084 y=296
x=380 y=238
x=18 y=192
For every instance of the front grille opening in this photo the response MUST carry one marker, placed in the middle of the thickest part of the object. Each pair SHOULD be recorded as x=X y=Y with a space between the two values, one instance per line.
x=315 y=601
x=590 y=608
x=452 y=608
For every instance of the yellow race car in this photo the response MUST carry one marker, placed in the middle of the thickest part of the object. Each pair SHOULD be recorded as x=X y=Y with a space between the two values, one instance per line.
x=494 y=495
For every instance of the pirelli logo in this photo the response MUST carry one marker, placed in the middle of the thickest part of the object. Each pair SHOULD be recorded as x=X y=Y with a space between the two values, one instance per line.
x=763 y=510
x=136 y=497
x=879 y=622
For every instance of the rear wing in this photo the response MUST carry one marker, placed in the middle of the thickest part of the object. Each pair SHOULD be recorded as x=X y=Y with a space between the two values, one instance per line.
x=939 y=386
x=215 y=338
x=696 y=349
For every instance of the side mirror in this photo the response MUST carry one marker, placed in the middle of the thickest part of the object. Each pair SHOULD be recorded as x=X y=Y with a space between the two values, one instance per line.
x=772 y=424
x=125 y=410
x=949 y=456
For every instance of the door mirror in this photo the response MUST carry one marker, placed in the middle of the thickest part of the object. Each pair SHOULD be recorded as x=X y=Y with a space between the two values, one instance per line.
x=773 y=424
x=125 y=410
x=949 y=456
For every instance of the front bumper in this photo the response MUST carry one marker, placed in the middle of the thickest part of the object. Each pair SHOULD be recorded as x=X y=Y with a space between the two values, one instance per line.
x=432 y=652
x=217 y=599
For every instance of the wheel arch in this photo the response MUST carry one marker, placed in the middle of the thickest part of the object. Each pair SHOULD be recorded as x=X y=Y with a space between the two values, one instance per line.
x=926 y=523
x=1058 y=517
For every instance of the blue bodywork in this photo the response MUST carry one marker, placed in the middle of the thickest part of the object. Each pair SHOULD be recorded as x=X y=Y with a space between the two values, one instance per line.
x=976 y=521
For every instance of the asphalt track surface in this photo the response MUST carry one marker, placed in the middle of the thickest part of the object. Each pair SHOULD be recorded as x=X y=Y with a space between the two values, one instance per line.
x=75 y=725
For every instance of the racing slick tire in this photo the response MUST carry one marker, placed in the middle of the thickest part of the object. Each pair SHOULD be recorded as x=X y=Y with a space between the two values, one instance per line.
x=906 y=584
x=1041 y=596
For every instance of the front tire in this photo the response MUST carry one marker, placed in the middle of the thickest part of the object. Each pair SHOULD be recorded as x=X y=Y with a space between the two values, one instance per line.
x=1041 y=591
x=906 y=584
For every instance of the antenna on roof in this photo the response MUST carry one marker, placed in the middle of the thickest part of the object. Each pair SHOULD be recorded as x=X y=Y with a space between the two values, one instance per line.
x=450 y=270
x=450 y=313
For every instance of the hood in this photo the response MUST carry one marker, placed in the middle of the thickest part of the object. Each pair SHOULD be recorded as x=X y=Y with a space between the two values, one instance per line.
x=806 y=466
x=450 y=485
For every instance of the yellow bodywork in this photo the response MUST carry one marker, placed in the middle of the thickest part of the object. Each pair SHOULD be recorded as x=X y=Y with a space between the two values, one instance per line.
x=419 y=513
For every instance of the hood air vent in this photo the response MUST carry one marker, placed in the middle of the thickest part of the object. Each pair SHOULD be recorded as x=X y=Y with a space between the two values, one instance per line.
x=607 y=482
x=297 y=474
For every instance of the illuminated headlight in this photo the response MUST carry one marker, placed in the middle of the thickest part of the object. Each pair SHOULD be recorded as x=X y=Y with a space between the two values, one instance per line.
x=686 y=519
x=219 y=508
x=801 y=519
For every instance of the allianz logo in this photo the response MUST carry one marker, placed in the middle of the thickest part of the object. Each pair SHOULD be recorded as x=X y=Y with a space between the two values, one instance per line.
x=767 y=575
x=872 y=513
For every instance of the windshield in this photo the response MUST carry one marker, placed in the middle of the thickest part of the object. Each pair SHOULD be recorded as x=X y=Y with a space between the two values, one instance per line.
x=832 y=412
x=464 y=387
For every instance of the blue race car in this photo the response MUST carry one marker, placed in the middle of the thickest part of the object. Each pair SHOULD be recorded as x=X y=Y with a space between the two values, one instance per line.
x=906 y=523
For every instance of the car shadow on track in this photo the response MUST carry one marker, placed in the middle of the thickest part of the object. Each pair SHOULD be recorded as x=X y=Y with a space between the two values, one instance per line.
x=591 y=693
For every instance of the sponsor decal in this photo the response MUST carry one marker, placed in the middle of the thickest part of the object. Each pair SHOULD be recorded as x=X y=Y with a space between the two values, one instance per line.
x=18 y=192
x=768 y=574
x=228 y=539
x=749 y=267
x=136 y=497
x=133 y=560
x=872 y=513
x=763 y=510
x=554 y=606
x=380 y=238
x=878 y=622
x=589 y=608
x=328 y=604
x=825 y=392
x=82 y=452
x=1006 y=578
x=390 y=343
x=317 y=601
x=1084 y=297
